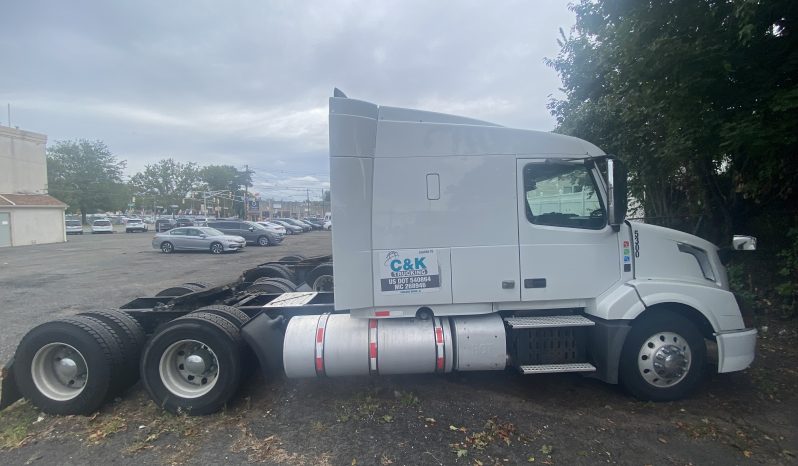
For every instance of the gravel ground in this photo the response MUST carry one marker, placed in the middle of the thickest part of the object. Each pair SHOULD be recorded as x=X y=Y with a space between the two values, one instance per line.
x=469 y=418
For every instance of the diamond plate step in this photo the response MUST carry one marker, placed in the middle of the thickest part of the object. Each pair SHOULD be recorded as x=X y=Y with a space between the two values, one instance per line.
x=548 y=321
x=551 y=368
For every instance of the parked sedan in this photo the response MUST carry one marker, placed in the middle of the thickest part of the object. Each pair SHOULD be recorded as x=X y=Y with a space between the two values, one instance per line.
x=197 y=239
x=102 y=226
x=290 y=229
x=291 y=221
x=274 y=227
x=328 y=224
x=252 y=232
x=74 y=227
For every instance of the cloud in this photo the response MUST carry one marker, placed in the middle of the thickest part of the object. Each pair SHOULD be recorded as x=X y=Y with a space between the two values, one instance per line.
x=247 y=82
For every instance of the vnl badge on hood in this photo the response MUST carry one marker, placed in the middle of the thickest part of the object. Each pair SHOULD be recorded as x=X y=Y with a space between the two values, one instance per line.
x=406 y=271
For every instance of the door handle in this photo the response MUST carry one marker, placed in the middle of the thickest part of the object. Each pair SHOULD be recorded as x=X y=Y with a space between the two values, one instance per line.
x=535 y=283
x=508 y=284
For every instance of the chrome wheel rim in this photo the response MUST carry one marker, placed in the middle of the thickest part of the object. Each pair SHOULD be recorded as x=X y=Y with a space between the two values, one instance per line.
x=263 y=241
x=216 y=248
x=664 y=359
x=323 y=283
x=166 y=247
x=189 y=368
x=59 y=371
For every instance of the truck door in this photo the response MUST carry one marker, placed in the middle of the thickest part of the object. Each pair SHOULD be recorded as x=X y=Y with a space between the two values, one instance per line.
x=567 y=250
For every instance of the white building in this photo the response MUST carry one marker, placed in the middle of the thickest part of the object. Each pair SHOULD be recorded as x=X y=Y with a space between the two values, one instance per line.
x=28 y=215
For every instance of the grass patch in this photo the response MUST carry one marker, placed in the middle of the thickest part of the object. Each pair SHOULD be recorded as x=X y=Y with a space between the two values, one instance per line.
x=15 y=424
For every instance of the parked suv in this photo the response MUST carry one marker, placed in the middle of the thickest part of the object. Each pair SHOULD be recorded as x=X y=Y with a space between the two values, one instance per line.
x=74 y=227
x=102 y=226
x=135 y=224
x=163 y=224
x=250 y=231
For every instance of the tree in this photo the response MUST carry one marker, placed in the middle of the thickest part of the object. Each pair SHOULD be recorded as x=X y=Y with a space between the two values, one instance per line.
x=86 y=175
x=698 y=97
x=228 y=178
x=166 y=182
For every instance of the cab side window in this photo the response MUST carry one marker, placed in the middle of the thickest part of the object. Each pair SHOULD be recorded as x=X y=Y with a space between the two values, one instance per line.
x=562 y=195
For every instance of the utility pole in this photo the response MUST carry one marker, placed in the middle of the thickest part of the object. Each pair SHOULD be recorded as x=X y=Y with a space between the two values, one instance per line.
x=246 y=194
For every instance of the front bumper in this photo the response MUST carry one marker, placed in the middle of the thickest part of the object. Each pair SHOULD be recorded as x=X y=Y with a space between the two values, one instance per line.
x=736 y=349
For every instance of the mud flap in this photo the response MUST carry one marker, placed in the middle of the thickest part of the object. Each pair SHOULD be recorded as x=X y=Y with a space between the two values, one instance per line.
x=9 y=393
x=265 y=336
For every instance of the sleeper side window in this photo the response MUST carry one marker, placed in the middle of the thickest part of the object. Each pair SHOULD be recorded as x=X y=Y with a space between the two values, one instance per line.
x=562 y=195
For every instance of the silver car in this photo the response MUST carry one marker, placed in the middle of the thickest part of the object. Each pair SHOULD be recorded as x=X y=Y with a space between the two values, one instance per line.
x=197 y=239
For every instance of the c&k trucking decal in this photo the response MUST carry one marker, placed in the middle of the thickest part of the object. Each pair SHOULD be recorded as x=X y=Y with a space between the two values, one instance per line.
x=407 y=271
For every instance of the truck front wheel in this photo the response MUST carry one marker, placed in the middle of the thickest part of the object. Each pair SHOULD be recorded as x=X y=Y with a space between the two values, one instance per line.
x=663 y=358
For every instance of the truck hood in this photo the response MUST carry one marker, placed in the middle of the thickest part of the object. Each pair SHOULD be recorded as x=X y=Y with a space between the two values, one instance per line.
x=657 y=255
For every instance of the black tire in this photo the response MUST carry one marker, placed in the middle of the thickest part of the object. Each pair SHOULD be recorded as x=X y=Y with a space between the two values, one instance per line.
x=293 y=258
x=273 y=271
x=233 y=315
x=284 y=281
x=263 y=241
x=217 y=248
x=648 y=330
x=270 y=285
x=181 y=290
x=220 y=336
x=201 y=284
x=167 y=247
x=321 y=278
x=120 y=377
x=95 y=347
x=131 y=337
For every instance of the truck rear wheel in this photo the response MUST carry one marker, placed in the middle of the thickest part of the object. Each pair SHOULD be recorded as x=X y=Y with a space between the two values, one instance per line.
x=233 y=315
x=193 y=364
x=180 y=290
x=321 y=278
x=274 y=271
x=272 y=285
x=66 y=366
x=130 y=335
x=663 y=358
x=293 y=258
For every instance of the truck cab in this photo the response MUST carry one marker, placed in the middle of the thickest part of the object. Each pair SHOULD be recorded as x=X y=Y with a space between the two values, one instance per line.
x=439 y=215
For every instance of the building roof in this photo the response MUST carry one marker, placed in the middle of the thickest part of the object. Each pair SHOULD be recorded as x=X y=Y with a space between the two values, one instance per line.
x=29 y=200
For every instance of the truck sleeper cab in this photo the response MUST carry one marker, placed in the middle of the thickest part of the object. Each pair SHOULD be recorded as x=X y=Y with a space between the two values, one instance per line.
x=550 y=279
x=460 y=245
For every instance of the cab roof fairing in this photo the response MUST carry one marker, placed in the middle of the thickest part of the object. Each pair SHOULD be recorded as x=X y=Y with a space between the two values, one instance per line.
x=401 y=132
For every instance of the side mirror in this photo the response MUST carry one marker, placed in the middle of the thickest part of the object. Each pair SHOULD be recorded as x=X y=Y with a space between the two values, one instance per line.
x=251 y=228
x=744 y=243
x=617 y=199
x=202 y=235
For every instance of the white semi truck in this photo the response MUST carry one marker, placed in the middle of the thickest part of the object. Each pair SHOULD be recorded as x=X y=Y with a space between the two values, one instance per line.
x=459 y=245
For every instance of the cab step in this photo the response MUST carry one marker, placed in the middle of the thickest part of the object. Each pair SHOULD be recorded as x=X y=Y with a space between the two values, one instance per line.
x=552 y=368
x=548 y=321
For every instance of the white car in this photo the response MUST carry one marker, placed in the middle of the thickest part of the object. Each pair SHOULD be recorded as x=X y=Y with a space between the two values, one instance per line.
x=273 y=227
x=135 y=224
x=328 y=224
x=74 y=227
x=102 y=226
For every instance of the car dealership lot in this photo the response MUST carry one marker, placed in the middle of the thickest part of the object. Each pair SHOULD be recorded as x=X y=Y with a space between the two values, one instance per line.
x=465 y=418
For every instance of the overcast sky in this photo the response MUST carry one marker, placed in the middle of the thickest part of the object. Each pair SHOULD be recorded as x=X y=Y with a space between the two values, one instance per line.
x=247 y=82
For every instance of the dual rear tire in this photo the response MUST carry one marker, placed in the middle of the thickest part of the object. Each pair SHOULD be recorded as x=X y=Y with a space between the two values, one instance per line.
x=73 y=365
x=193 y=364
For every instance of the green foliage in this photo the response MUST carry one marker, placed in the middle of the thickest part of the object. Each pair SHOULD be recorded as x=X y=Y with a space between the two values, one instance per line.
x=698 y=97
x=787 y=287
x=86 y=175
x=166 y=182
